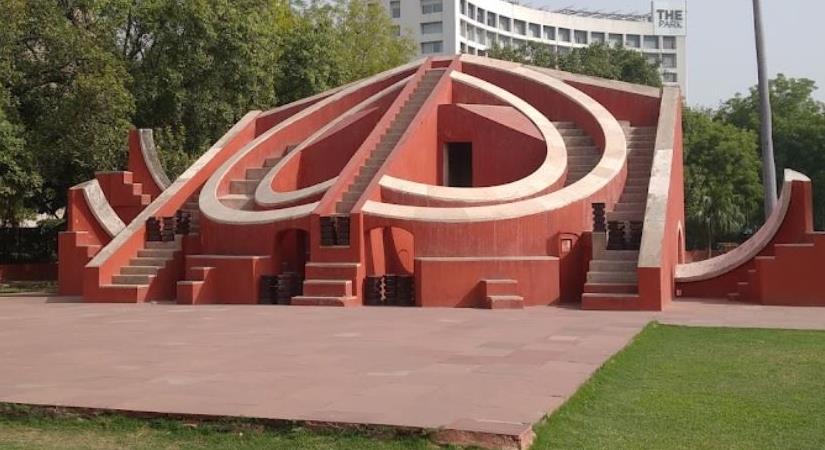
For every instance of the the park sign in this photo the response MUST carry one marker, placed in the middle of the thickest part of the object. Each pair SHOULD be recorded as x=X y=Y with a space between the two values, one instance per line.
x=670 y=18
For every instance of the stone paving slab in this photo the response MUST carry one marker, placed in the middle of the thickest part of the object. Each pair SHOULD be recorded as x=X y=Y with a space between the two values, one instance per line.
x=478 y=373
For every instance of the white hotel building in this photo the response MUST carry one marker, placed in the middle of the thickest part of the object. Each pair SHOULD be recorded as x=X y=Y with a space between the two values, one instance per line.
x=473 y=26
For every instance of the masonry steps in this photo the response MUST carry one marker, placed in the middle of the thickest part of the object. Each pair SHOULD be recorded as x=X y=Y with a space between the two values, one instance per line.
x=612 y=279
x=389 y=140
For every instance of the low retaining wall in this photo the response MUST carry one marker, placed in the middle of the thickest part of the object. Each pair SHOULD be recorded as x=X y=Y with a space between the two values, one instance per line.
x=28 y=272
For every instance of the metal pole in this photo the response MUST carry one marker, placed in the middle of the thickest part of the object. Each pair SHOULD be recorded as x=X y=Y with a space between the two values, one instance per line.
x=768 y=163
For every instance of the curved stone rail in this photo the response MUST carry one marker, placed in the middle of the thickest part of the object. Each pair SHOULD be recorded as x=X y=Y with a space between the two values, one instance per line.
x=266 y=197
x=722 y=264
x=102 y=211
x=611 y=166
x=211 y=206
x=550 y=172
x=151 y=159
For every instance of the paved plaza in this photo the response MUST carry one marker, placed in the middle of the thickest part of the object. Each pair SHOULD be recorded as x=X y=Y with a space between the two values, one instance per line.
x=482 y=371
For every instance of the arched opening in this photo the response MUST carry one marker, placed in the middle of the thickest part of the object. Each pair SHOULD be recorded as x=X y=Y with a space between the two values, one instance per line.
x=289 y=258
x=390 y=266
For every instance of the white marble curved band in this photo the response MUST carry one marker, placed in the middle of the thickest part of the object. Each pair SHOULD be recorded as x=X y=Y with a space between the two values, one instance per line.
x=722 y=264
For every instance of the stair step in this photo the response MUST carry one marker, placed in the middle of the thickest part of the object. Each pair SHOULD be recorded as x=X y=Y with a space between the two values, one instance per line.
x=303 y=300
x=256 y=173
x=625 y=216
x=145 y=261
x=602 y=265
x=139 y=270
x=563 y=125
x=610 y=302
x=638 y=207
x=167 y=253
x=243 y=186
x=611 y=288
x=238 y=201
x=328 y=288
x=132 y=279
x=619 y=255
x=612 y=277
x=504 y=302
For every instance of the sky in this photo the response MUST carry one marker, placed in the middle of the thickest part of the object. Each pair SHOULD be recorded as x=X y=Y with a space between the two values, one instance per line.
x=721 y=49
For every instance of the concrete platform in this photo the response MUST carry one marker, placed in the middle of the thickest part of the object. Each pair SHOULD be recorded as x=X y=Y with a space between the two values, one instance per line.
x=477 y=375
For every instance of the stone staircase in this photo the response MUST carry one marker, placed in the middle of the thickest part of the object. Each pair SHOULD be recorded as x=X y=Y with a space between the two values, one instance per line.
x=502 y=294
x=124 y=195
x=612 y=281
x=582 y=153
x=242 y=192
x=329 y=284
x=388 y=141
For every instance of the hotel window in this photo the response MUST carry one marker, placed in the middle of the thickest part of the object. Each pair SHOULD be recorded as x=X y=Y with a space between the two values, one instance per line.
x=505 y=41
x=504 y=23
x=463 y=48
x=633 y=41
x=463 y=7
x=480 y=15
x=669 y=61
x=471 y=10
x=653 y=59
x=550 y=33
x=431 y=27
x=480 y=36
x=615 y=40
x=520 y=27
x=652 y=42
x=669 y=43
x=471 y=32
x=535 y=30
x=564 y=34
x=580 y=36
x=597 y=38
x=432 y=47
x=491 y=19
x=462 y=29
x=491 y=38
x=669 y=77
x=395 y=8
x=431 y=6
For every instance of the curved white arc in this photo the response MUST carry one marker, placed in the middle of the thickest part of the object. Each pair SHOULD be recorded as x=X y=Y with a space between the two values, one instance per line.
x=216 y=211
x=100 y=207
x=139 y=223
x=722 y=264
x=609 y=167
x=257 y=218
x=266 y=197
x=551 y=170
x=151 y=159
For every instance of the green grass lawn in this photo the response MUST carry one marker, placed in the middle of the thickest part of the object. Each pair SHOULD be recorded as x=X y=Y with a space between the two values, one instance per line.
x=700 y=388
x=23 y=287
x=25 y=428
x=673 y=387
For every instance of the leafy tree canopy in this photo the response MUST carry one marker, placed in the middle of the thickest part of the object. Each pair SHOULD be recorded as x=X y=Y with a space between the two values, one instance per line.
x=600 y=60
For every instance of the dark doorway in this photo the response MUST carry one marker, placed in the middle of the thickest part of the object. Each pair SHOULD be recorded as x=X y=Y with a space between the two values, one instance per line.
x=459 y=164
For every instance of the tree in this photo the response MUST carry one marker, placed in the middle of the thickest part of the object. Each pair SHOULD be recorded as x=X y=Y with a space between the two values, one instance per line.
x=799 y=130
x=722 y=185
x=366 y=39
x=197 y=67
x=600 y=60
x=68 y=89
x=19 y=182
